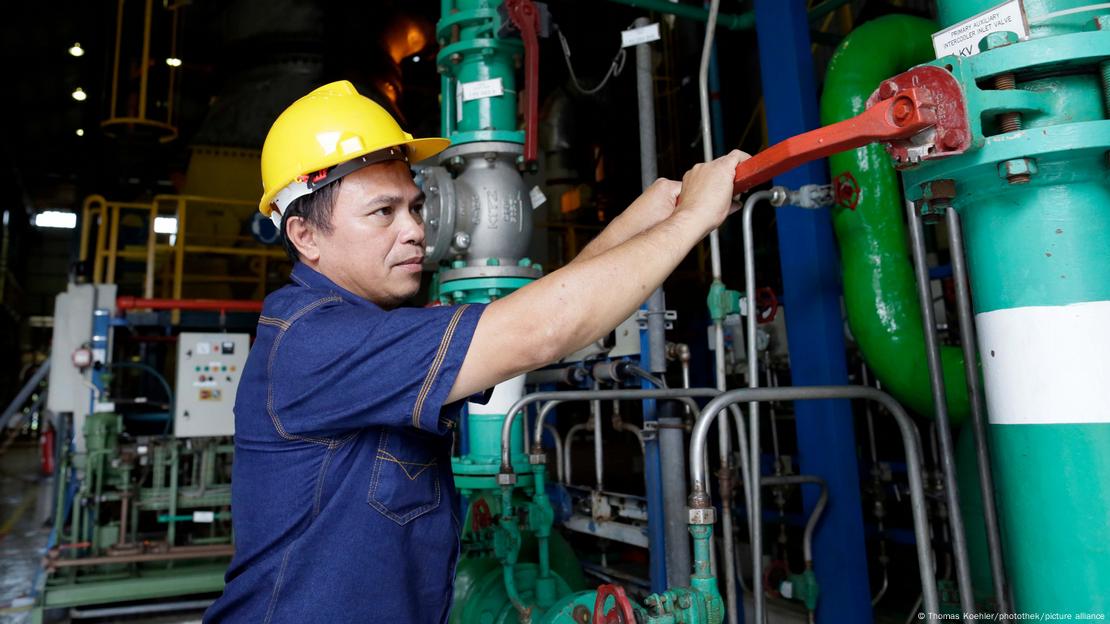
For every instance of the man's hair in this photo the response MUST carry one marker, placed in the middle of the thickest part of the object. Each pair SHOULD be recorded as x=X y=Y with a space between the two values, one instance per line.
x=315 y=208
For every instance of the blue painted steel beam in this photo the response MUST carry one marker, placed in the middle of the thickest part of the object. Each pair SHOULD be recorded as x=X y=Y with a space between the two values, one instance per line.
x=811 y=289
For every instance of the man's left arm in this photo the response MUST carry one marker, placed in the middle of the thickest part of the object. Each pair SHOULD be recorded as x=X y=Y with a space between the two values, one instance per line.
x=654 y=205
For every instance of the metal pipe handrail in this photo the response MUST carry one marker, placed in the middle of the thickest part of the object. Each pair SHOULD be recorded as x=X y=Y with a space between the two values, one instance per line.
x=537 y=436
x=586 y=395
x=940 y=405
x=699 y=496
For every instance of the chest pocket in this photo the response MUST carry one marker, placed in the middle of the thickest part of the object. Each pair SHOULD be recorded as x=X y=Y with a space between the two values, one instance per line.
x=404 y=483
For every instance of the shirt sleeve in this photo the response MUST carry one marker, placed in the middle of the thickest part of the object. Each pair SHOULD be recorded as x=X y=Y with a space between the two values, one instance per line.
x=345 y=367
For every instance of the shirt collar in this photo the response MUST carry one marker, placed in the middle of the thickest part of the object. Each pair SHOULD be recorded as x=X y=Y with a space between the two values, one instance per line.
x=306 y=276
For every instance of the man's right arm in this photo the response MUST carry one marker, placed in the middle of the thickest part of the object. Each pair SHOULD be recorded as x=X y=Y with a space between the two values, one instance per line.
x=581 y=302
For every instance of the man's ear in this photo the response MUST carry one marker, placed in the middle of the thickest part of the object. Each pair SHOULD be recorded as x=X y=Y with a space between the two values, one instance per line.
x=303 y=237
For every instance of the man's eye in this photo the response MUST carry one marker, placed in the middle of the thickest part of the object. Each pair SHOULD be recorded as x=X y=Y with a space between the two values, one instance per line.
x=416 y=209
x=384 y=212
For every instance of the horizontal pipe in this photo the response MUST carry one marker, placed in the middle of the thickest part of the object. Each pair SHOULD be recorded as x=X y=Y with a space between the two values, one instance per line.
x=211 y=305
x=681 y=394
x=178 y=553
x=160 y=607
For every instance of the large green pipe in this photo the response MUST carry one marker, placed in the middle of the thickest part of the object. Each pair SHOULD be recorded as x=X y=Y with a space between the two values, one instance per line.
x=879 y=290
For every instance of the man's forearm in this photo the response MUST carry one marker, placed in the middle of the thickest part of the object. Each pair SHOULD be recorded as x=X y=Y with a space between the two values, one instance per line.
x=646 y=212
x=592 y=295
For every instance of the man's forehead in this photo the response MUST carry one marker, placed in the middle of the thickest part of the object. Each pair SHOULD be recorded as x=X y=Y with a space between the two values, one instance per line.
x=391 y=178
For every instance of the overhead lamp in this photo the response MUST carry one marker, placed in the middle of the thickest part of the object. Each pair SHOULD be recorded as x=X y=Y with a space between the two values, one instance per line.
x=76 y=50
x=416 y=58
x=80 y=132
x=173 y=61
x=79 y=94
x=62 y=219
x=165 y=225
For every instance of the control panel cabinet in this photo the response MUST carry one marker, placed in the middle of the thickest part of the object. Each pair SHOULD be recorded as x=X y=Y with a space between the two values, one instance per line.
x=208 y=370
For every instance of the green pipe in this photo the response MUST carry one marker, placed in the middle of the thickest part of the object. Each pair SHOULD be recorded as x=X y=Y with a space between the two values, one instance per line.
x=879 y=290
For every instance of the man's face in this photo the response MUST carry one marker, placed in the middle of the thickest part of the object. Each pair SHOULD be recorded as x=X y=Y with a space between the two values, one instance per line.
x=376 y=246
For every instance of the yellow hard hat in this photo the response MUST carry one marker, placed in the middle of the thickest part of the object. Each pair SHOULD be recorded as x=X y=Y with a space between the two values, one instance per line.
x=326 y=134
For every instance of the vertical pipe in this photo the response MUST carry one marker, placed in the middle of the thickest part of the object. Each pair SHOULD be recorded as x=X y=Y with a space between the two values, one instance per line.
x=115 y=60
x=814 y=323
x=599 y=467
x=144 y=69
x=173 y=70
x=756 y=515
x=171 y=530
x=666 y=484
x=113 y=243
x=179 y=257
x=151 y=241
x=101 y=240
x=978 y=421
x=723 y=433
x=936 y=382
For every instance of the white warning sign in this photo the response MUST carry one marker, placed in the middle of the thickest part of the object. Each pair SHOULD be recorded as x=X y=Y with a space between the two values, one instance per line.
x=963 y=39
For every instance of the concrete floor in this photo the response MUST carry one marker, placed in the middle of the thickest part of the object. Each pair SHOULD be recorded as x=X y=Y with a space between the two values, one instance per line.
x=25 y=506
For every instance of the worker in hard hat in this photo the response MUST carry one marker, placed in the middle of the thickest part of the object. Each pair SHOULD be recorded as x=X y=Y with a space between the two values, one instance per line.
x=342 y=497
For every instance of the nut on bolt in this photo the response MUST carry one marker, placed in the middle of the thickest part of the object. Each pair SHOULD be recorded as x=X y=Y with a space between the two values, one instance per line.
x=537 y=459
x=936 y=196
x=1017 y=170
x=506 y=478
x=997 y=39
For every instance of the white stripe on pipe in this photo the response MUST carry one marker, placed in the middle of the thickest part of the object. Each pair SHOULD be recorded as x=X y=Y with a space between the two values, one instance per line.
x=1047 y=364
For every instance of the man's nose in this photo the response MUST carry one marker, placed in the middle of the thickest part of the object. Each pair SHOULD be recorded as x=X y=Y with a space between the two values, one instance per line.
x=412 y=228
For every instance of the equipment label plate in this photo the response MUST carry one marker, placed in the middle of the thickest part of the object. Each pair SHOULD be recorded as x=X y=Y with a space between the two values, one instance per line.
x=482 y=89
x=963 y=39
x=643 y=34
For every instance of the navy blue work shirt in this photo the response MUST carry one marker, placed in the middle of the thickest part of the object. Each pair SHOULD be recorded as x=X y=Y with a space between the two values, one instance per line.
x=342 y=500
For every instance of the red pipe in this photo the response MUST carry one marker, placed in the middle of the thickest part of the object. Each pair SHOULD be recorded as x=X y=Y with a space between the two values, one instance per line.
x=212 y=305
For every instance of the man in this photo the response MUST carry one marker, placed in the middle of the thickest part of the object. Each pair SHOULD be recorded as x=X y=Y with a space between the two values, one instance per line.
x=344 y=507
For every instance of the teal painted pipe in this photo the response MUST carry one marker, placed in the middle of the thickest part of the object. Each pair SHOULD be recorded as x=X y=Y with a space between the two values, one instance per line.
x=478 y=73
x=879 y=291
x=1037 y=259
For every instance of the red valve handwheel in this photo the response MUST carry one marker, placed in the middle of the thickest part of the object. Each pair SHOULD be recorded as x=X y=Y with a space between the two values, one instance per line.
x=621 y=613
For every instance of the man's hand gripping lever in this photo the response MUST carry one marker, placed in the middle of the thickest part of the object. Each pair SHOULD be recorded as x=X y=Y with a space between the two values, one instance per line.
x=918 y=115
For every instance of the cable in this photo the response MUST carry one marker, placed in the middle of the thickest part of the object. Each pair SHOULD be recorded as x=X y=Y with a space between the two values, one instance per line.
x=615 y=67
x=161 y=379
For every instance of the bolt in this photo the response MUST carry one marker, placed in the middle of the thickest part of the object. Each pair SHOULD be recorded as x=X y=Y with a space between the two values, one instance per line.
x=684 y=602
x=1007 y=122
x=456 y=161
x=462 y=240
x=902 y=110
x=887 y=89
x=456 y=58
x=433 y=189
x=952 y=139
x=1017 y=170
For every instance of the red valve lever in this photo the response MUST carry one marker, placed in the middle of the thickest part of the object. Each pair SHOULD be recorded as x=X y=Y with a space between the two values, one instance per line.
x=526 y=18
x=919 y=115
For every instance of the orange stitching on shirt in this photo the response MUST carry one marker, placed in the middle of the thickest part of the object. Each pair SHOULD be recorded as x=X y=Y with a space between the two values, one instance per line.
x=276 y=322
x=441 y=354
x=386 y=455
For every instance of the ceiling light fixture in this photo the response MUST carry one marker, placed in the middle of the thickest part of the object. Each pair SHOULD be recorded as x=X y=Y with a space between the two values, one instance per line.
x=173 y=62
x=80 y=132
x=76 y=50
x=416 y=58
x=79 y=94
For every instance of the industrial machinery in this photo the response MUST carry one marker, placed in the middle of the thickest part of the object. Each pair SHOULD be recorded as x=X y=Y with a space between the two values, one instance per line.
x=1000 y=132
